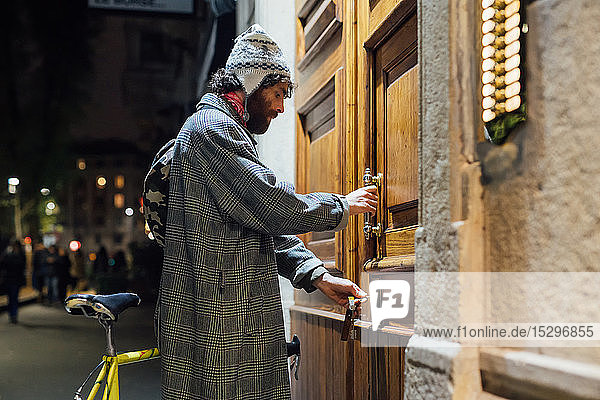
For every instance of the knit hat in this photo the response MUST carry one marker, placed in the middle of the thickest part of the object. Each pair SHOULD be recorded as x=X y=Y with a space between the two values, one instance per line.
x=254 y=56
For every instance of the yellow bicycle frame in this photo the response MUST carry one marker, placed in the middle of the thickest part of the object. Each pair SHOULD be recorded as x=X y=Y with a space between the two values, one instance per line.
x=111 y=367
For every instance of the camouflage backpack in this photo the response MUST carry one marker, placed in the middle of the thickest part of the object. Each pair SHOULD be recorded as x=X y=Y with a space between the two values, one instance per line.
x=155 y=196
x=156 y=193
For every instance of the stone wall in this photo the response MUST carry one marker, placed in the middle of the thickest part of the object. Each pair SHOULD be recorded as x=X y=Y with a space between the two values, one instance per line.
x=531 y=205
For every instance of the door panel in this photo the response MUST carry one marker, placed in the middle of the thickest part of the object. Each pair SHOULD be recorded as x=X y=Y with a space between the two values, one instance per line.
x=395 y=118
x=357 y=103
x=401 y=147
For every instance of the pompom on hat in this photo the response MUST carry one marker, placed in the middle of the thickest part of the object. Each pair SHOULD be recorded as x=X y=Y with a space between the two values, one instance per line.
x=254 y=56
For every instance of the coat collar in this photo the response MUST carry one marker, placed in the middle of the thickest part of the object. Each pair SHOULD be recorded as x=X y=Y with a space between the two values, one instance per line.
x=212 y=100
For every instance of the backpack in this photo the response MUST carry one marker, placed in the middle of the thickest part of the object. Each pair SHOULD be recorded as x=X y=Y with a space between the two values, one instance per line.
x=155 y=196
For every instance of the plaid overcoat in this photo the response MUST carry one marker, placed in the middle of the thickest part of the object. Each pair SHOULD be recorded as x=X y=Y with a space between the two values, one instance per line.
x=219 y=314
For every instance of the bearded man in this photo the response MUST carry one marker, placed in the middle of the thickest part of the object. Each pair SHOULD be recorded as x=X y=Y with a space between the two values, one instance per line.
x=229 y=233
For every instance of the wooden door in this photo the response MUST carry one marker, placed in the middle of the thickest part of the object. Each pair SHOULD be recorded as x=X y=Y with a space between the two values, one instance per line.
x=393 y=128
x=357 y=102
x=387 y=31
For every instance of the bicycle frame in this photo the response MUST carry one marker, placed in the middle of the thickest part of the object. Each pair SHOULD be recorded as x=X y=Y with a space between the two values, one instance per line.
x=109 y=374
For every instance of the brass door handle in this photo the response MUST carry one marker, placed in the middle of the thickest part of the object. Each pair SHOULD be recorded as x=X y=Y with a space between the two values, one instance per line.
x=369 y=180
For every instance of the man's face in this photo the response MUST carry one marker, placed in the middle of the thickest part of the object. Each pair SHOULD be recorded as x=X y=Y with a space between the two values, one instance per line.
x=264 y=105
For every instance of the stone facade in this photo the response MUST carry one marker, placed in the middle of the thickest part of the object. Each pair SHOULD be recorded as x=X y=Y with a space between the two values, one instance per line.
x=530 y=205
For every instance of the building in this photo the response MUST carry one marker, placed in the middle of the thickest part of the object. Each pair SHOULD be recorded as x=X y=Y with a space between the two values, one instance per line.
x=104 y=196
x=396 y=86
x=145 y=73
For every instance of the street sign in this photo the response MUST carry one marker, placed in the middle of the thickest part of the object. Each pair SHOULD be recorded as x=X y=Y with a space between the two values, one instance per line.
x=160 y=6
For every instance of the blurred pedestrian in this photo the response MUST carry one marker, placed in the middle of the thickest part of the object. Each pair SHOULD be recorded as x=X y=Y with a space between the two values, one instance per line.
x=39 y=268
x=63 y=275
x=12 y=262
x=101 y=262
x=78 y=270
x=51 y=279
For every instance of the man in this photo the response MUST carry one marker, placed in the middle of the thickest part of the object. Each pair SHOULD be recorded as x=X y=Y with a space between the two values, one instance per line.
x=229 y=232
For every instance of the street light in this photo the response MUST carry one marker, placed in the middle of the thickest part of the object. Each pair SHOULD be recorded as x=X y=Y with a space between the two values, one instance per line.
x=12 y=185
x=13 y=182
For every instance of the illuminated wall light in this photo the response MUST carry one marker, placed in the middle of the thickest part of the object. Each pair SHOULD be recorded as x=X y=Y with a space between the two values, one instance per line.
x=500 y=62
x=512 y=8
x=488 y=77
x=488 y=13
x=129 y=211
x=488 y=102
x=488 y=52
x=513 y=103
x=488 y=90
x=488 y=39
x=512 y=62
x=513 y=90
x=81 y=164
x=488 y=64
x=512 y=22
x=488 y=115
x=512 y=35
x=512 y=49
x=513 y=76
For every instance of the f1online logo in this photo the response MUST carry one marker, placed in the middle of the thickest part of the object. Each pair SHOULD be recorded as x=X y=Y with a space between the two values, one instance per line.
x=390 y=299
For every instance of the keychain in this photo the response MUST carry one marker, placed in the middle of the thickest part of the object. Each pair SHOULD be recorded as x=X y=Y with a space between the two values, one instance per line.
x=348 y=329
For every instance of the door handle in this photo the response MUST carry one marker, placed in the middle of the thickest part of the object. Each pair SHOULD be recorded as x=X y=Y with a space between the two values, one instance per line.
x=369 y=230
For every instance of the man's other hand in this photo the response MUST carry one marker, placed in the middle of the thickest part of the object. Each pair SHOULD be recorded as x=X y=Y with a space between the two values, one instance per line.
x=338 y=289
x=363 y=200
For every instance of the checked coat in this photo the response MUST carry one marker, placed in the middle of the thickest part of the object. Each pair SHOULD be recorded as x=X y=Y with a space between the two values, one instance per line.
x=228 y=236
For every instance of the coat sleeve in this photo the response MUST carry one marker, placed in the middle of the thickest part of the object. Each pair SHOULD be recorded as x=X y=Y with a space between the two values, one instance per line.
x=245 y=190
x=296 y=263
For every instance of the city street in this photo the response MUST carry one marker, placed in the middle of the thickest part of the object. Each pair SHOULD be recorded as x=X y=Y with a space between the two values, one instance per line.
x=49 y=353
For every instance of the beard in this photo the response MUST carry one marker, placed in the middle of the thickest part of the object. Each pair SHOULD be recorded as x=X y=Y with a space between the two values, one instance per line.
x=260 y=116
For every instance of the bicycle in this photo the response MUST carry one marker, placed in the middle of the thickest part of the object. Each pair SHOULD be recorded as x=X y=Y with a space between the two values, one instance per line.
x=106 y=309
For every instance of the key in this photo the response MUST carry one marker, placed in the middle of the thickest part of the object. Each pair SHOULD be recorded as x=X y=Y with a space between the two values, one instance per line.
x=348 y=327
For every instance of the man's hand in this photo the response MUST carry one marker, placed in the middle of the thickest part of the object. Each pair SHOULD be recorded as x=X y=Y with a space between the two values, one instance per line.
x=363 y=200
x=338 y=289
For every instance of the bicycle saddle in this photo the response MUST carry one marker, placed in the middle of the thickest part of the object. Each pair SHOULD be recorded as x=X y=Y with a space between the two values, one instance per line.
x=108 y=306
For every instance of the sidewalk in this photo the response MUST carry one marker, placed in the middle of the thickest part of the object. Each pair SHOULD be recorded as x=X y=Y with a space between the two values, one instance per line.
x=26 y=294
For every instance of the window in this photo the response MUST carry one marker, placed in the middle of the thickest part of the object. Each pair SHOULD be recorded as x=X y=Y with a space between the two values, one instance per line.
x=119 y=181
x=119 y=200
